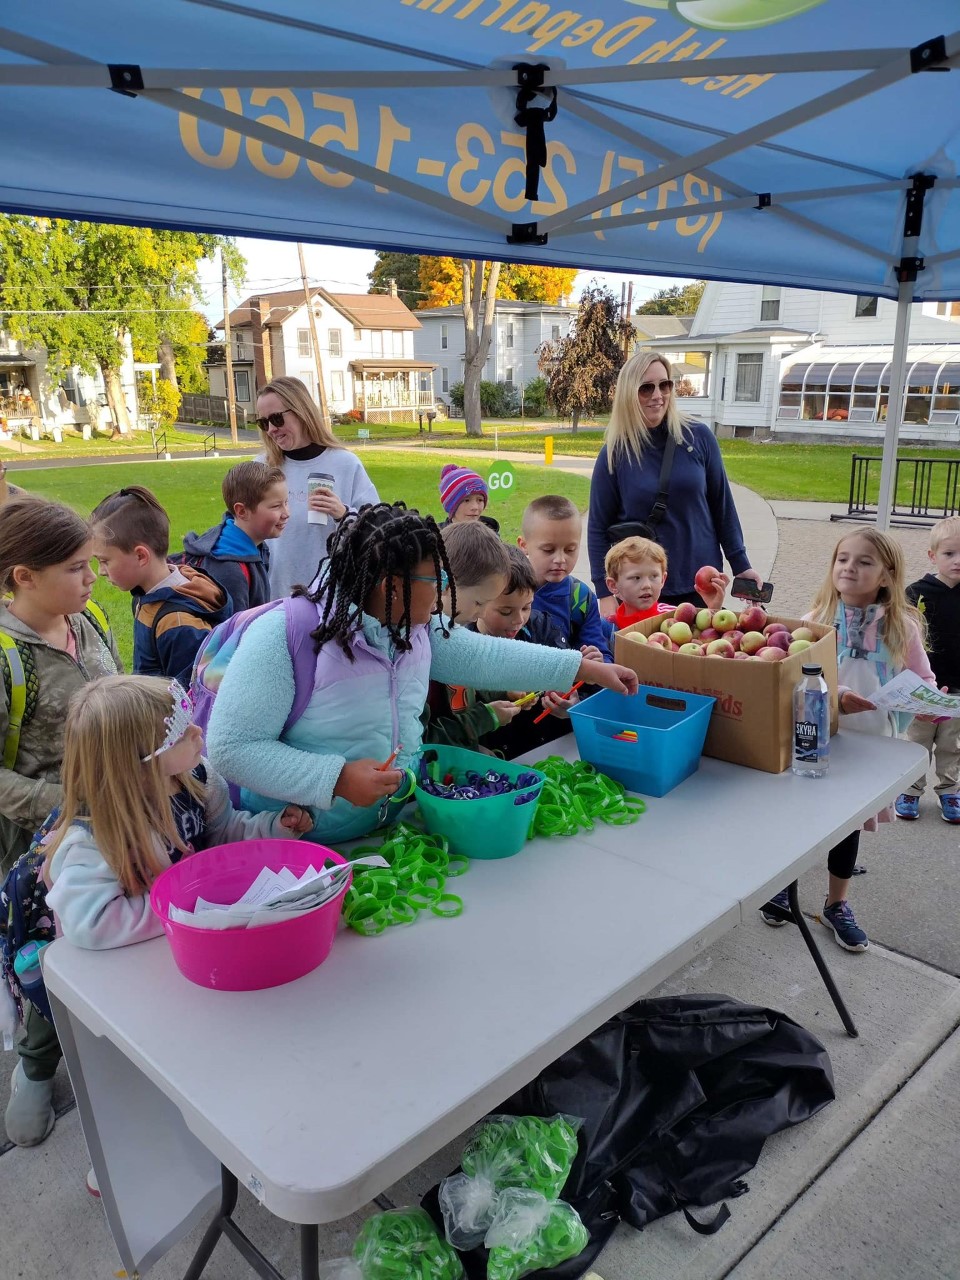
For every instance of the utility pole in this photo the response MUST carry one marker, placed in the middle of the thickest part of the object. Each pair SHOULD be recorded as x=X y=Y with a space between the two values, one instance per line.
x=627 y=315
x=228 y=348
x=321 y=389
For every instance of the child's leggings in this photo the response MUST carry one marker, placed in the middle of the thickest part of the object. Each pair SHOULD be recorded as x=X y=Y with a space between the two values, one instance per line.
x=842 y=858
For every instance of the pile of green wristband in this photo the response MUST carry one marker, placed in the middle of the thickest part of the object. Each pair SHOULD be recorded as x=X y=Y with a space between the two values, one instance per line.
x=575 y=796
x=561 y=1235
x=402 y=1244
x=419 y=867
x=523 y=1151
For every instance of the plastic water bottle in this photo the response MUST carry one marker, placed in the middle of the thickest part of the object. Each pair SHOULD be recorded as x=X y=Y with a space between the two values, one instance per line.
x=811 y=724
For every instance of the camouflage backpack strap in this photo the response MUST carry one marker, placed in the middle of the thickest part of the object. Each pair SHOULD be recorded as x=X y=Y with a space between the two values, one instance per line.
x=22 y=690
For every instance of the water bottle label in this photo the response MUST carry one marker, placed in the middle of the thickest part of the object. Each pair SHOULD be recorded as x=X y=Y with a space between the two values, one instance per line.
x=805 y=738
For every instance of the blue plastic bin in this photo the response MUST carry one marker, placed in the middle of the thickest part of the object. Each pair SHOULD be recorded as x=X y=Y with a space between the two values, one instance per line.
x=670 y=727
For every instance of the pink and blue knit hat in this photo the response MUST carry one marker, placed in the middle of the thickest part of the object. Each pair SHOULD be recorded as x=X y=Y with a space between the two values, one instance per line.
x=458 y=483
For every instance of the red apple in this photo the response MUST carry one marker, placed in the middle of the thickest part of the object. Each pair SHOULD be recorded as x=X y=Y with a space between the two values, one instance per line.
x=769 y=629
x=667 y=623
x=771 y=653
x=680 y=633
x=752 y=641
x=704 y=619
x=721 y=648
x=779 y=639
x=659 y=639
x=709 y=633
x=724 y=620
x=704 y=579
x=687 y=613
x=735 y=637
x=753 y=618
x=742 y=657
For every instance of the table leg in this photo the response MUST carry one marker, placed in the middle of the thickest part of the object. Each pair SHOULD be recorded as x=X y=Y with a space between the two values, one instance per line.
x=309 y=1252
x=818 y=960
x=224 y=1225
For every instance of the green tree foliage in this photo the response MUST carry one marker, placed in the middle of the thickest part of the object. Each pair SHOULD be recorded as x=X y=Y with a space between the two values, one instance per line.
x=581 y=369
x=80 y=288
x=678 y=300
x=402 y=267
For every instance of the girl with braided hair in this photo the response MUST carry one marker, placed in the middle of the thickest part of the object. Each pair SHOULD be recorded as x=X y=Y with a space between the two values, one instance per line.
x=380 y=637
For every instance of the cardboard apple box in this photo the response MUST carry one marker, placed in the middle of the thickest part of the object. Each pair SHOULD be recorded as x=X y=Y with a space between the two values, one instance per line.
x=752 y=720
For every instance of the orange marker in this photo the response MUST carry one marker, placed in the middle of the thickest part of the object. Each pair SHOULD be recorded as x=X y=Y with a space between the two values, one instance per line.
x=388 y=762
x=543 y=714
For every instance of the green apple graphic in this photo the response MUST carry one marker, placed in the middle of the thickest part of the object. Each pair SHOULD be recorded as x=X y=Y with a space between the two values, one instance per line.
x=732 y=15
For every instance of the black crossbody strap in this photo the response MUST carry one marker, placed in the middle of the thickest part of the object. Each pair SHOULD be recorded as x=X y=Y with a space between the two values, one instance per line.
x=659 y=508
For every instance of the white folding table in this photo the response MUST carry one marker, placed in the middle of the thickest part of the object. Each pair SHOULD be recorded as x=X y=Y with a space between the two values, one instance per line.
x=318 y=1095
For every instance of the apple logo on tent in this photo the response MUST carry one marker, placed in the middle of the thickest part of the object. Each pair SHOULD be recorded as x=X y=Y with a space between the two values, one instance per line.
x=732 y=15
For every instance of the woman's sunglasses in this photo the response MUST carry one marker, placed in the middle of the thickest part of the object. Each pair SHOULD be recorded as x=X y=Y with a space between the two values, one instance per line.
x=646 y=389
x=276 y=419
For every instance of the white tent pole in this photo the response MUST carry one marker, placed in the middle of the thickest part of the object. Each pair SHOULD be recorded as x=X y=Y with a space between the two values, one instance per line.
x=898 y=373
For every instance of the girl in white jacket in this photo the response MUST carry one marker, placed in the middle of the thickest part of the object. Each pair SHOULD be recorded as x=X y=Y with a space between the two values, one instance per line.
x=137 y=797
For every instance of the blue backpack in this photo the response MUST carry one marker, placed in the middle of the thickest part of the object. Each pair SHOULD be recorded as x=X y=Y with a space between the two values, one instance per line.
x=27 y=925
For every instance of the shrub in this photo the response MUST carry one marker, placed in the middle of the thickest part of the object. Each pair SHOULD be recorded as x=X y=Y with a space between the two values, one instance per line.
x=161 y=402
x=456 y=395
x=535 y=401
x=498 y=400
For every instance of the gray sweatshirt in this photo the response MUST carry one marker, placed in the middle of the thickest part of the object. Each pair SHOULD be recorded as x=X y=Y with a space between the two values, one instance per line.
x=296 y=555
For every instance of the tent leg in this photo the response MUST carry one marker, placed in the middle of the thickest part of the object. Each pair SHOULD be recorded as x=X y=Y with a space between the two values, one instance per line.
x=898 y=370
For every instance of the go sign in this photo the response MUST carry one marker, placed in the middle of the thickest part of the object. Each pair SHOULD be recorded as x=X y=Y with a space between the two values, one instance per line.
x=501 y=478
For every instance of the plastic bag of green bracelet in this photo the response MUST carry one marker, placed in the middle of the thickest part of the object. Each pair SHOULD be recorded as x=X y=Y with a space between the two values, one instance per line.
x=401 y=1243
x=531 y=1233
x=506 y=1151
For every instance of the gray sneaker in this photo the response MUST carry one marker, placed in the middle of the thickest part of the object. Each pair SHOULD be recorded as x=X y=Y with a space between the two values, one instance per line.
x=30 y=1115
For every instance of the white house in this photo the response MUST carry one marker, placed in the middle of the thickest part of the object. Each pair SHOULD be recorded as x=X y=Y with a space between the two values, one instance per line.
x=32 y=401
x=798 y=365
x=519 y=329
x=366 y=349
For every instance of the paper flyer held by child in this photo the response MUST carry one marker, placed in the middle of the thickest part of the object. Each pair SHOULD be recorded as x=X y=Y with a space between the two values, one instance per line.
x=907 y=692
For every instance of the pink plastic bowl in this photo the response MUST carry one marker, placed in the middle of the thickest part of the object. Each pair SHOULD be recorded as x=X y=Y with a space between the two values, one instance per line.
x=245 y=959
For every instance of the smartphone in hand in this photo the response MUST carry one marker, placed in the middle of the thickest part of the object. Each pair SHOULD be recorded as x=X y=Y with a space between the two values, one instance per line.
x=747 y=589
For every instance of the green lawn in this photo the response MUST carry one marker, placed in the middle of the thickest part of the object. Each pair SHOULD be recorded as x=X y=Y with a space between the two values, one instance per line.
x=190 y=491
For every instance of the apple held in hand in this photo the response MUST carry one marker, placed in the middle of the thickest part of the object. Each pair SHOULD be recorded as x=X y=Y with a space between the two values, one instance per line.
x=687 y=613
x=680 y=633
x=703 y=581
x=724 y=620
x=752 y=641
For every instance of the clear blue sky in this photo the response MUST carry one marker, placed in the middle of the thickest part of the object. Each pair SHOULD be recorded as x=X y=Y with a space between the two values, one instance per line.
x=272 y=265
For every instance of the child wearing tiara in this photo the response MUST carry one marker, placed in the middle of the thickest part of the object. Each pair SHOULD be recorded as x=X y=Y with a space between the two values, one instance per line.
x=137 y=797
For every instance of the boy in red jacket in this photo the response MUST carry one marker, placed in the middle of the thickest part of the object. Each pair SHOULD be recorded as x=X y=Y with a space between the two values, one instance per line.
x=636 y=570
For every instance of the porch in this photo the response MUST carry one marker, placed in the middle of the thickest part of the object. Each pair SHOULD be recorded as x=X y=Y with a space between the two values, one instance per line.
x=393 y=390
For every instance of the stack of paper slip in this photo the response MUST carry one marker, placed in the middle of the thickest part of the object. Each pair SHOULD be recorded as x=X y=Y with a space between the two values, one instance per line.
x=273 y=896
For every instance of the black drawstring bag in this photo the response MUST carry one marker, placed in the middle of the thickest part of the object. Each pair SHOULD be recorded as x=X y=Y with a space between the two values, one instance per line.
x=677 y=1096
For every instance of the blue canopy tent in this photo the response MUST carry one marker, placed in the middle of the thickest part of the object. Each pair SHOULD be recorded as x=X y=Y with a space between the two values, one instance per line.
x=752 y=140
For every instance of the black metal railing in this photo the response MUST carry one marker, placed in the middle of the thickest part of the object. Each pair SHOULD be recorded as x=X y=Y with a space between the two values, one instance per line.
x=209 y=444
x=924 y=489
x=160 y=444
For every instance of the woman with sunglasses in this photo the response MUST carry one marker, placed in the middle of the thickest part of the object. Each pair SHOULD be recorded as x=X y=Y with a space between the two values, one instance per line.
x=699 y=518
x=325 y=481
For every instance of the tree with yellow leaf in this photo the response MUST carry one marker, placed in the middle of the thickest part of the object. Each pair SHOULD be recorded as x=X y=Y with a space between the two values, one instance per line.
x=441 y=282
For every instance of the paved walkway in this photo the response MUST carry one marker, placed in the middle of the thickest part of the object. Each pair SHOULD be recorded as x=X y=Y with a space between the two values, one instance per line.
x=865 y=1189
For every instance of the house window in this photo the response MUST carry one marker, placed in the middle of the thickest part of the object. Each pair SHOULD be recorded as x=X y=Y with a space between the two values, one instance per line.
x=949 y=309
x=555 y=333
x=508 y=375
x=749 y=370
x=241 y=349
x=444 y=343
x=866 y=305
x=444 y=379
x=508 y=335
x=769 y=304
x=376 y=342
x=241 y=385
x=333 y=343
x=336 y=384
x=303 y=343
x=357 y=334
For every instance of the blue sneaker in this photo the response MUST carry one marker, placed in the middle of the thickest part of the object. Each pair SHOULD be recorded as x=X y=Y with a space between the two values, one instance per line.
x=950 y=808
x=909 y=806
x=847 y=932
x=777 y=911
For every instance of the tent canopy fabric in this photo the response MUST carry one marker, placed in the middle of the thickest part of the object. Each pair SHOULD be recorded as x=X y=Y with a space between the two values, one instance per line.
x=764 y=140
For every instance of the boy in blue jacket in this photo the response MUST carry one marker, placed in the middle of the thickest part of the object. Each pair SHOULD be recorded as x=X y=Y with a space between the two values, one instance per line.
x=234 y=552
x=552 y=529
x=175 y=607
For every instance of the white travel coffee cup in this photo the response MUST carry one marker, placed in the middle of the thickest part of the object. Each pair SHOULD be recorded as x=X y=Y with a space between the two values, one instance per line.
x=318 y=480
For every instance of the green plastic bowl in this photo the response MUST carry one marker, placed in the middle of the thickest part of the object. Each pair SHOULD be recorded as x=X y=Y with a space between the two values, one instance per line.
x=491 y=827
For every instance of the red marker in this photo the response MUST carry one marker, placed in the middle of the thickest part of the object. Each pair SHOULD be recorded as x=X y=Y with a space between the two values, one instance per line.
x=388 y=762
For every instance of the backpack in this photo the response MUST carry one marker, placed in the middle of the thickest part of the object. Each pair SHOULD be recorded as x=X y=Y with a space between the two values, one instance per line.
x=21 y=678
x=199 y=562
x=26 y=921
x=221 y=644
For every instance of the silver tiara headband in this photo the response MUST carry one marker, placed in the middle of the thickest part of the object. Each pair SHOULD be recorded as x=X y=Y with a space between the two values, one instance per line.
x=177 y=722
